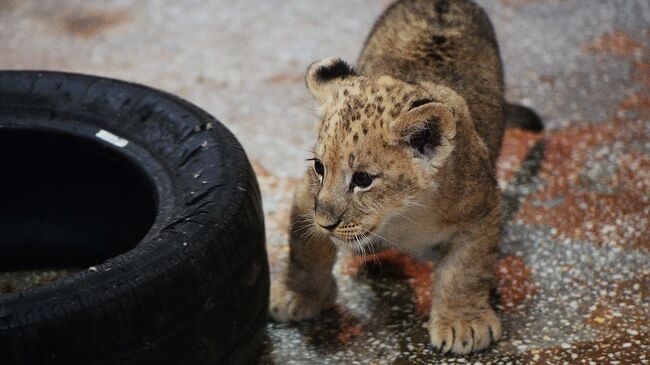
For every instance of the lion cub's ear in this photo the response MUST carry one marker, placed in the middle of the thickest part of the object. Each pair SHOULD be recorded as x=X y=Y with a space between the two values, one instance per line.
x=322 y=76
x=426 y=126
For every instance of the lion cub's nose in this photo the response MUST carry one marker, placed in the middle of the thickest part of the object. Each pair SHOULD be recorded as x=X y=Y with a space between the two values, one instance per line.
x=328 y=223
x=326 y=219
x=327 y=215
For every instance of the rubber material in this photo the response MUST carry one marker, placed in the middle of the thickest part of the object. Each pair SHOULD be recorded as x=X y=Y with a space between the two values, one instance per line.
x=184 y=284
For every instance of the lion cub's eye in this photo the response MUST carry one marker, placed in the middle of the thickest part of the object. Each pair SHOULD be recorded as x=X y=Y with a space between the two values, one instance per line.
x=361 y=179
x=319 y=168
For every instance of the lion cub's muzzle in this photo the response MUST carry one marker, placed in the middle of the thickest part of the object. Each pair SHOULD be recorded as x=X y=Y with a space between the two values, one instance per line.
x=327 y=217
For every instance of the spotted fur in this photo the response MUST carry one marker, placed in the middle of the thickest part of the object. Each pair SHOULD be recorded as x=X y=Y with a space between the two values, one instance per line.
x=423 y=118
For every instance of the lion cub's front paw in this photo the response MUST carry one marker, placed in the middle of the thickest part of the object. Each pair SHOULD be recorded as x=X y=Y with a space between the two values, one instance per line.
x=289 y=305
x=464 y=334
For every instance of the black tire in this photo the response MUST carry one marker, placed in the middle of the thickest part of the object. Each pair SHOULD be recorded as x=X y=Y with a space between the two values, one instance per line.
x=189 y=286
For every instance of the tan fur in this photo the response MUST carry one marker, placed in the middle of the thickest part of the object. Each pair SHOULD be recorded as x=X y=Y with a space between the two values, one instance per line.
x=440 y=201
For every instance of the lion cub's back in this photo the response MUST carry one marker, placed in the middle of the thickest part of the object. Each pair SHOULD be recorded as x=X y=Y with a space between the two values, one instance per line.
x=450 y=42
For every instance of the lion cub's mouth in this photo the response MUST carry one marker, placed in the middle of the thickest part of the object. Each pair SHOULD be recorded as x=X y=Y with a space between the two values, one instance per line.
x=356 y=243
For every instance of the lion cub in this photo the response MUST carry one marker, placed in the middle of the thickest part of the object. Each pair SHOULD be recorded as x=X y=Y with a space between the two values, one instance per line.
x=405 y=157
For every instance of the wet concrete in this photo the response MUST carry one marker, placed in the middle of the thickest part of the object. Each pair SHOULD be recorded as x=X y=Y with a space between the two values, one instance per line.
x=574 y=274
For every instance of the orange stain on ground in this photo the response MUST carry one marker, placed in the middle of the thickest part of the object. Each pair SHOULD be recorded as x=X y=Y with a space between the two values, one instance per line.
x=87 y=24
x=515 y=146
x=617 y=42
x=514 y=278
x=349 y=332
x=642 y=72
x=515 y=283
x=601 y=206
x=397 y=264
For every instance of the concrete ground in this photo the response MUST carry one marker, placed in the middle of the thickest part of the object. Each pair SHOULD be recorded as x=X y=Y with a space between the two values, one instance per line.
x=574 y=277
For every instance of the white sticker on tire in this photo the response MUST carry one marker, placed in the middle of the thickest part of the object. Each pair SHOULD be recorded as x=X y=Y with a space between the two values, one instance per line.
x=111 y=138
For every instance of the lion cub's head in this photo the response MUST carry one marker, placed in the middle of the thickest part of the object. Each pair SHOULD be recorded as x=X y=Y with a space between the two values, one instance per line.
x=381 y=143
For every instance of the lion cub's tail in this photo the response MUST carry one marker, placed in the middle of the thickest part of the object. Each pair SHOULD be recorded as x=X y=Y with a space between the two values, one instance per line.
x=519 y=116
